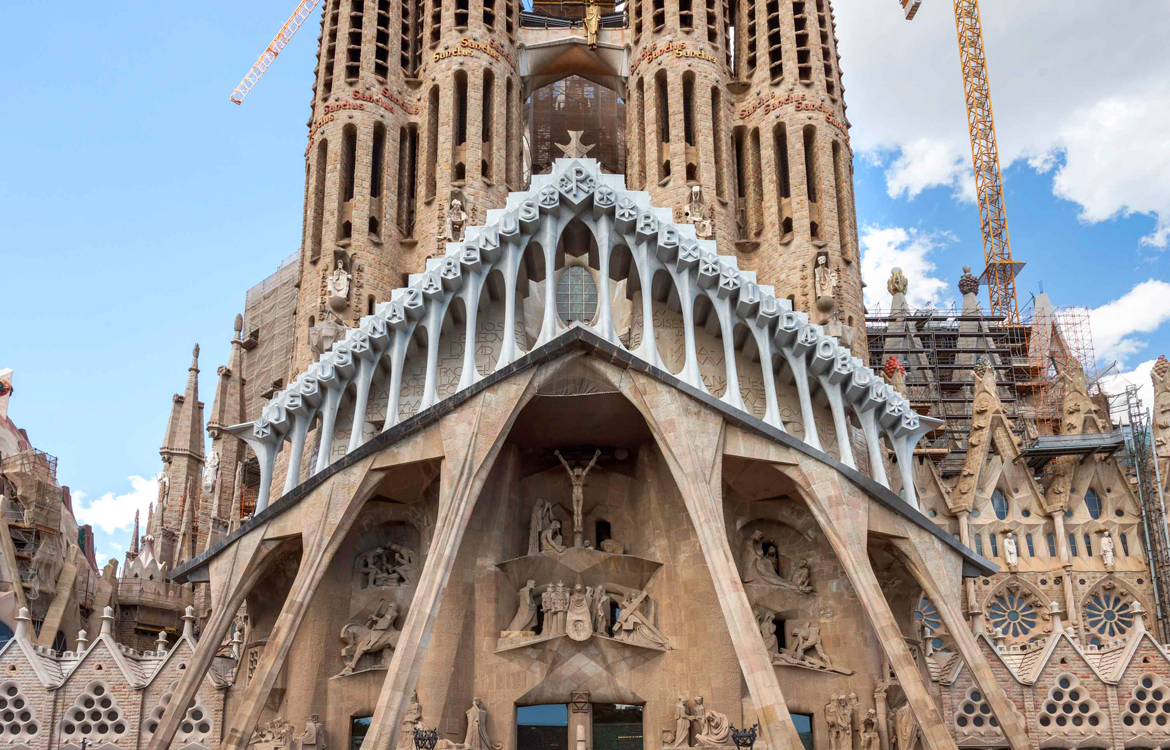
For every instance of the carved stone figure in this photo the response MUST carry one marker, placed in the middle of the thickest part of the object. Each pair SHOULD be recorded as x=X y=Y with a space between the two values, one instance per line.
x=550 y=538
x=612 y=547
x=541 y=519
x=1107 y=548
x=410 y=722
x=561 y=597
x=1010 y=553
x=592 y=22
x=805 y=638
x=456 y=221
x=210 y=472
x=698 y=212
x=714 y=728
x=634 y=627
x=601 y=602
x=546 y=604
x=825 y=282
x=801 y=576
x=378 y=634
x=525 y=617
x=579 y=622
x=767 y=624
x=758 y=568
x=274 y=735
x=405 y=562
x=905 y=730
x=577 y=478
x=870 y=739
x=338 y=287
x=382 y=567
x=314 y=734
x=682 y=723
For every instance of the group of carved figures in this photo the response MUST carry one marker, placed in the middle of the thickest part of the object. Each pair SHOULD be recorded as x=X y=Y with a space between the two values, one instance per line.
x=805 y=638
x=377 y=635
x=584 y=611
x=709 y=727
x=277 y=734
x=392 y=565
x=761 y=564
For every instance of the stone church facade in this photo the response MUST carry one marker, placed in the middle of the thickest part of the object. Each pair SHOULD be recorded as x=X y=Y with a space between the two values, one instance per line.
x=603 y=442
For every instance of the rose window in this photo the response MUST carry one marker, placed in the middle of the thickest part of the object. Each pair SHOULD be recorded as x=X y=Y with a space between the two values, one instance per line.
x=1149 y=704
x=1012 y=615
x=1069 y=708
x=974 y=715
x=1109 y=615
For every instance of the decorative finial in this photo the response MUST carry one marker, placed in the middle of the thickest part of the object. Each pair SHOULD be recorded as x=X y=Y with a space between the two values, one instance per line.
x=108 y=621
x=239 y=324
x=898 y=283
x=968 y=284
x=23 y=624
x=982 y=366
x=189 y=623
x=892 y=366
x=82 y=642
x=161 y=645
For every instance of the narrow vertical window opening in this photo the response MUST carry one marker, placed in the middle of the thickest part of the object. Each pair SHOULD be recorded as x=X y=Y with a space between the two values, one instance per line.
x=487 y=125
x=353 y=47
x=319 y=170
x=662 y=108
x=459 y=131
x=812 y=177
x=783 y=178
x=717 y=134
x=331 y=48
x=432 y=141
x=382 y=40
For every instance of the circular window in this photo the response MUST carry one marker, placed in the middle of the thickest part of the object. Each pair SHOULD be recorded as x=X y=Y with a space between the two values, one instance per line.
x=576 y=295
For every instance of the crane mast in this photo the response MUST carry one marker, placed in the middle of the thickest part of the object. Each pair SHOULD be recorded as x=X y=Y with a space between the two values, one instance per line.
x=1000 y=275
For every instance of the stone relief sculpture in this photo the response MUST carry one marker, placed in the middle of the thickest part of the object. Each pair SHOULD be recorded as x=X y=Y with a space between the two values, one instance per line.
x=839 y=717
x=377 y=635
x=210 y=472
x=904 y=729
x=541 y=519
x=612 y=547
x=682 y=724
x=577 y=478
x=273 y=735
x=580 y=614
x=383 y=567
x=767 y=623
x=477 y=737
x=601 y=610
x=714 y=728
x=410 y=722
x=870 y=739
x=456 y=221
x=550 y=538
x=314 y=734
x=804 y=639
x=338 y=287
x=762 y=566
x=632 y=626
x=525 y=618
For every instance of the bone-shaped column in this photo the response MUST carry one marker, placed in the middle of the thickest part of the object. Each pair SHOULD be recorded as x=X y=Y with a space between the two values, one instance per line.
x=265 y=441
x=832 y=366
x=866 y=395
x=301 y=401
x=333 y=373
x=375 y=337
x=796 y=339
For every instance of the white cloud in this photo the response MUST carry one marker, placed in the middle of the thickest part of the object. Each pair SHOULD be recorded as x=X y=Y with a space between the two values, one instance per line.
x=886 y=248
x=1094 y=113
x=116 y=546
x=101 y=558
x=1115 y=385
x=1143 y=309
x=115 y=512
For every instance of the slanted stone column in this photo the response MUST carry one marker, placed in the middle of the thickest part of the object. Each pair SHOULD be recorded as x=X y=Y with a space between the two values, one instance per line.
x=691 y=437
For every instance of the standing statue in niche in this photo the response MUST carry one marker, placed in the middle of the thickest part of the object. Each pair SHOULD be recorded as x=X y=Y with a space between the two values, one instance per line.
x=1010 y=554
x=714 y=728
x=561 y=597
x=525 y=618
x=378 y=634
x=1107 y=549
x=601 y=602
x=682 y=724
x=904 y=734
x=577 y=478
x=456 y=221
x=410 y=722
x=825 y=281
x=698 y=212
x=542 y=518
x=210 y=472
x=870 y=739
x=839 y=716
x=634 y=627
x=338 y=286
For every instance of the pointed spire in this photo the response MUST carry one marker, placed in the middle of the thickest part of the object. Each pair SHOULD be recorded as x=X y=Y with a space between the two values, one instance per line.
x=108 y=621
x=82 y=642
x=134 y=538
x=181 y=551
x=161 y=645
x=150 y=519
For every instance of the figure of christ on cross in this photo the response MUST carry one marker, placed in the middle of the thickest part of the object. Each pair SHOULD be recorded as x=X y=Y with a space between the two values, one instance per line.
x=577 y=477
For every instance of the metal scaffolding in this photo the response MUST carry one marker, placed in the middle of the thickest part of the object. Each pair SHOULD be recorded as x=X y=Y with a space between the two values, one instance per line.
x=1140 y=461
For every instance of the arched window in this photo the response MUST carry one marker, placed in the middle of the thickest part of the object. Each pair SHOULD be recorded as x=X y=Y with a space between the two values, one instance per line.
x=1072 y=544
x=1031 y=549
x=979 y=543
x=1124 y=545
x=1088 y=546
x=994 y=545
x=602 y=530
x=1093 y=503
x=1052 y=545
x=999 y=505
x=576 y=295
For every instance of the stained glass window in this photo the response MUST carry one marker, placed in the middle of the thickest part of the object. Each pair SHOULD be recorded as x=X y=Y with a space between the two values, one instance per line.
x=1013 y=615
x=576 y=295
x=1109 y=615
x=1093 y=504
x=999 y=505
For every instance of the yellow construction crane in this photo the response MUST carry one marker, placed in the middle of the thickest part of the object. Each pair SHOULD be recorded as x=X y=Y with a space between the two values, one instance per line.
x=303 y=10
x=1000 y=275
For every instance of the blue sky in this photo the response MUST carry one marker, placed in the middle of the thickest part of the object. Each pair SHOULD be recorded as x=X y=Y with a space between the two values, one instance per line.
x=139 y=203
